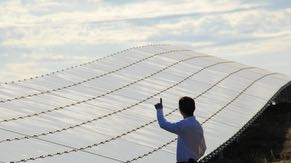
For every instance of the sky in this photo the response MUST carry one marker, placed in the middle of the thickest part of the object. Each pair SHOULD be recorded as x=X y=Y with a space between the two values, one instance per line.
x=40 y=36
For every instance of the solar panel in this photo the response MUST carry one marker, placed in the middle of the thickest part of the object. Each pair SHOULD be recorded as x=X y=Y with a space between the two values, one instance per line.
x=102 y=111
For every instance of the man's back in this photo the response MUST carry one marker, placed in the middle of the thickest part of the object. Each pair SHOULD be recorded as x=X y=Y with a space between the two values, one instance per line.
x=190 y=140
x=191 y=143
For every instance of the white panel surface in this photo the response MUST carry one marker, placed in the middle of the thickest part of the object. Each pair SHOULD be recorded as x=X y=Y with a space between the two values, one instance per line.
x=102 y=111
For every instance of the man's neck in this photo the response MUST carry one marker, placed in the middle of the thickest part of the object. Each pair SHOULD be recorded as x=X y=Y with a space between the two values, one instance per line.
x=187 y=116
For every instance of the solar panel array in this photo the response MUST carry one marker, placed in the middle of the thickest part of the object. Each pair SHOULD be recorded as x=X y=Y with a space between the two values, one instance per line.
x=102 y=111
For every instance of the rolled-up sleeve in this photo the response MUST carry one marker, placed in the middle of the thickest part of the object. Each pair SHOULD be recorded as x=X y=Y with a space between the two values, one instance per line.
x=164 y=124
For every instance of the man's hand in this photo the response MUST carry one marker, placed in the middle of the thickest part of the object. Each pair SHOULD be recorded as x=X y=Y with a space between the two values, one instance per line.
x=159 y=105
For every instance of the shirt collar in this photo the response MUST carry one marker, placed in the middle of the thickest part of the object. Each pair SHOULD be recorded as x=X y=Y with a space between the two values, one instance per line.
x=191 y=117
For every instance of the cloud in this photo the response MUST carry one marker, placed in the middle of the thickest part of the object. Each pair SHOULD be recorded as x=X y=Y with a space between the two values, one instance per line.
x=73 y=34
x=271 y=46
x=101 y=11
x=12 y=71
x=36 y=64
x=47 y=31
x=240 y=31
x=80 y=27
x=64 y=26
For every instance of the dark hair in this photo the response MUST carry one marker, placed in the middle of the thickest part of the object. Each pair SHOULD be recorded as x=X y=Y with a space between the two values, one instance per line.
x=187 y=105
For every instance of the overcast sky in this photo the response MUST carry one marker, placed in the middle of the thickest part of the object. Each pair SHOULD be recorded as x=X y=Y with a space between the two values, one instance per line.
x=39 y=36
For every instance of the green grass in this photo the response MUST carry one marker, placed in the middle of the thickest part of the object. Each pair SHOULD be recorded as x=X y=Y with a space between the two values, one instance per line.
x=268 y=139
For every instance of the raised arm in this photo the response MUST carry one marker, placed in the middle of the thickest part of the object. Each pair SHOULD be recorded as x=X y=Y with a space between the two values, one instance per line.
x=164 y=124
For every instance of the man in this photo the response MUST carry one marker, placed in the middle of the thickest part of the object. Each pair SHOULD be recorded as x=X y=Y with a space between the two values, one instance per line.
x=191 y=144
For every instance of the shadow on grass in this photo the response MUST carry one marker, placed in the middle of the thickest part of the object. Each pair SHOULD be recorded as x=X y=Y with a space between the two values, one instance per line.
x=268 y=139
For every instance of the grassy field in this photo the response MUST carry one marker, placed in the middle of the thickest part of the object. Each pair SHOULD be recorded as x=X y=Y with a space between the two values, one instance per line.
x=268 y=139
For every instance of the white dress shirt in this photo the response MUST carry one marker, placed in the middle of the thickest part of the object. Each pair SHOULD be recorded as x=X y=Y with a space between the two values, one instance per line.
x=191 y=143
